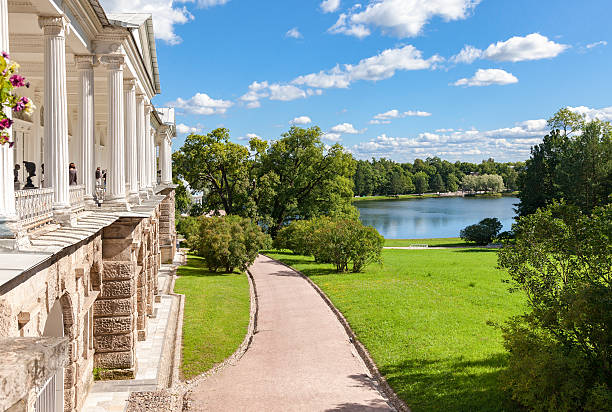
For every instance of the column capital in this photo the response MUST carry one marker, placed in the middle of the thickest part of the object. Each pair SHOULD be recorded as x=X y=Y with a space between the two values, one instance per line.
x=54 y=25
x=129 y=83
x=113 y=61
x=85 y=61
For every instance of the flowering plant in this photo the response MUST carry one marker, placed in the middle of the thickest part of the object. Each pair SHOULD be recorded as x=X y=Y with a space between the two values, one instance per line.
x=9 y=81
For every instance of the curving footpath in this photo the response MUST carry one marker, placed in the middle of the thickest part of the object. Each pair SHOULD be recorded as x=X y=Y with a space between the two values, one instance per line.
x=300 y=358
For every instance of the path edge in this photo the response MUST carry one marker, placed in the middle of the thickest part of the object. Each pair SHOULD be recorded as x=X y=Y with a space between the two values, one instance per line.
x=184 y=388
x=383 y=385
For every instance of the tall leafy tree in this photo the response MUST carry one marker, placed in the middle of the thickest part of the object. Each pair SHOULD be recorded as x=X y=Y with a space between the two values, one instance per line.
x=573 y=163
x=306 y=178
x=222 y=169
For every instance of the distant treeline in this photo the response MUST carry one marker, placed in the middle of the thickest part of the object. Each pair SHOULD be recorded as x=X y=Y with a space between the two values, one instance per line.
x=385 y=177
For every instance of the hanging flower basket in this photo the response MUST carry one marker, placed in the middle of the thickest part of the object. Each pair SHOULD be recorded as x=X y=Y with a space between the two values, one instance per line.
x=9 y=100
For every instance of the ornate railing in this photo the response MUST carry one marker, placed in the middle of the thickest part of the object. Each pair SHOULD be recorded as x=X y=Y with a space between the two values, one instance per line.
x=34 y=207
x=77 y=198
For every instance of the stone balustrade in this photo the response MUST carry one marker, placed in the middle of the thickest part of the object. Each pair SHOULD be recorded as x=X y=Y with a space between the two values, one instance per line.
x=77 y=198
x=34 y=207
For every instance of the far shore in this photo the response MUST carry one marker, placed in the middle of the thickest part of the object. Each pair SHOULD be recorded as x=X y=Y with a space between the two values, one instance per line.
x=433 y=195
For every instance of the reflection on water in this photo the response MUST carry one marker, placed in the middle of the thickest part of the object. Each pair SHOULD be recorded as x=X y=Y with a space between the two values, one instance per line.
x=431 y=218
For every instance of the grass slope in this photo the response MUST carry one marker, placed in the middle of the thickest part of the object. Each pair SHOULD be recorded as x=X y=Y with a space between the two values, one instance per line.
x=423 y=316
x=216 y=315
x=440 y=242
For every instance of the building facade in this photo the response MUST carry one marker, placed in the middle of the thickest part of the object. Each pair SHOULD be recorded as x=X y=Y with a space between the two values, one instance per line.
x=79 y=259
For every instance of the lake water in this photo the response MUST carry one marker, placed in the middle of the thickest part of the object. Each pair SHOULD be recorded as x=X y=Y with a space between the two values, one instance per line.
x=433 y=217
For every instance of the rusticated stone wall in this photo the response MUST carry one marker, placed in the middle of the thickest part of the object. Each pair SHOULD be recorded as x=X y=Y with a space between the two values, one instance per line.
x=70 y=279
x=167 y=227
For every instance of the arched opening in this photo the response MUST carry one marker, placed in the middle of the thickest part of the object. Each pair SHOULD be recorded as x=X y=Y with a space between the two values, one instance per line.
x=54 y=326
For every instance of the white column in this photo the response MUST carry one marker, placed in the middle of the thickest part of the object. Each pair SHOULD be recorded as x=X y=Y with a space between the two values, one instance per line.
x=115 y=174
x=148 y=152
x=131 y=149
x=165 y=161
x=87 y=126
x=55 y=29
x=153 y=158
x=7 y=189
x=140 y=145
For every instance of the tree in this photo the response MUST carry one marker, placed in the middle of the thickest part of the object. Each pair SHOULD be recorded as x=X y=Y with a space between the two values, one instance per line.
x=483 y=232
x=420 y=182
x=339 y=241
x=577 y=168
x=566 y=120
x=214 y=165
x=452 y=183
x=305 y=179
x=182 y=198
x=228 y=242
x=436 y=183
x=560 y=356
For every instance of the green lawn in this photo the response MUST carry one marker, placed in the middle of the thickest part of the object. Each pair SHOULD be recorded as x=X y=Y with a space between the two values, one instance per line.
x=423 y=316
x=445 y=242
x=216 y=315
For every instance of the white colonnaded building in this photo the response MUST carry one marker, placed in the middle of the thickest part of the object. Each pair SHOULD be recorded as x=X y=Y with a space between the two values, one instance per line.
x=79 y=260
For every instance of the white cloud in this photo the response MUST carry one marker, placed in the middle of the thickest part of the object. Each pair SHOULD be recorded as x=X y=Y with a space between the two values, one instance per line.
x=330 y=6
x=286 y=92
x=467 y=55
x=400 y=18
x=531 y=47
x=344 y=128
x=253 y=136
x=604 y=114
x=505 y=144
x=203 y=104
x=487 y=77
x=598 y=43
x=302 y=120
x=182 y=128
x=294 y=33
x=205 y=3
x=385 y=118
x=165 y=15
x=332 y=137
x=379 y=67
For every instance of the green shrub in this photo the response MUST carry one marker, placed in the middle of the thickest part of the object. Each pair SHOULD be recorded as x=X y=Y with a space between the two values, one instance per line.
x=333 y=240
x=483 y=232
x=188 y=227
x=560 y=357
x=228 y=242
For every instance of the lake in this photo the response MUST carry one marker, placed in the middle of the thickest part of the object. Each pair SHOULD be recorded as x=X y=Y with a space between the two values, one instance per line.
x=433 y=217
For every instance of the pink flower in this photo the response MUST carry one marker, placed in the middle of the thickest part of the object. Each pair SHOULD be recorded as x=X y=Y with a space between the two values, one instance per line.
x=6 y=55
x=17 y=80
x=5 y=123
x=19 y=106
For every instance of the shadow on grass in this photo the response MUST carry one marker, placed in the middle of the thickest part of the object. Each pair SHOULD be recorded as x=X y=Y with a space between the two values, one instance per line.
x=196 y=267
x=450 y=385
x=478 y=250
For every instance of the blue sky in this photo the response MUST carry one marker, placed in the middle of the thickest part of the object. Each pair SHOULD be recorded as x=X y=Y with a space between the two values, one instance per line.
x=459 y=79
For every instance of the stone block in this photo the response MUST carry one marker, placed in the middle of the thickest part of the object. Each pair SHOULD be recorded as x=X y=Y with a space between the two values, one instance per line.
x=114 y=360
x=141 y=322
x=113 y=270
x=113 y=326
x=142 y=335
x=113 y=343
x=70 y=376
x=117 y=249
x=113 y=307
x=117 y=374
x=118 y=289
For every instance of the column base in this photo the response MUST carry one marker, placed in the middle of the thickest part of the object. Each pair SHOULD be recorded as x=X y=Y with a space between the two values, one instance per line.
x=134 y=198
x=144 y=194
x=116 y=205
x=64 y=216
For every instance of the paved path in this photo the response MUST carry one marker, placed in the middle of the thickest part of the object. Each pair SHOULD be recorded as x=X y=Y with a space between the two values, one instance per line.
x=300 y=358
